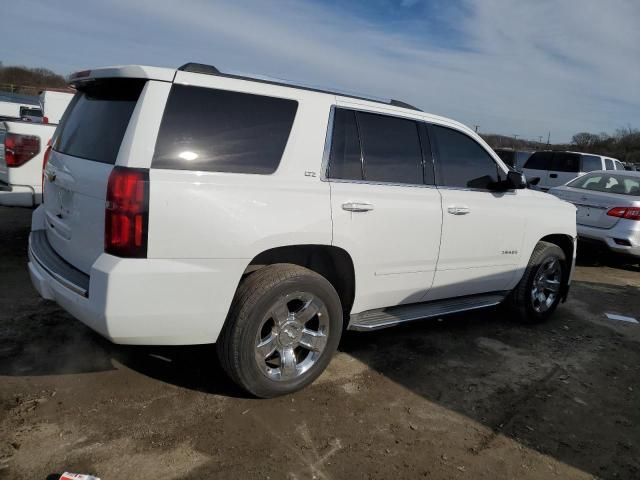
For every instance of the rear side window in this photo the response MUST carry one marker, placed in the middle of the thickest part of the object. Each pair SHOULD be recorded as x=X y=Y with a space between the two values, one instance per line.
x=539 y=161
x=590 y=163
x=390 y=148
x=378 y=148
x=222 y=131
x=94 y=124
x=462 y=162
x=344 y=161
x=565 y=162
x=609 y=164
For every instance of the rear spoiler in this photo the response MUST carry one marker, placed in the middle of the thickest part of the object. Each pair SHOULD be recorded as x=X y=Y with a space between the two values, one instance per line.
x=124 y=71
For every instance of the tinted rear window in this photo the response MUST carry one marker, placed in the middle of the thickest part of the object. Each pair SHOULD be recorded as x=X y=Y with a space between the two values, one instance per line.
x=390 y=148
x=30 y=112
x=94 y=124
x=344 y=161
x=223 y=131
x=608 y=183
x=565 y=162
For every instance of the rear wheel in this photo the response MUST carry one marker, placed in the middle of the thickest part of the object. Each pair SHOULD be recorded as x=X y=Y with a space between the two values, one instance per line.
x=284 y=325
x=539 y=292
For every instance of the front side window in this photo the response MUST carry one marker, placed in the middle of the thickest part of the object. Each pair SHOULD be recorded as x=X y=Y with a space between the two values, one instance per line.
x=609 y=164
x=223 y=131
x=462 y=162
x=590 y=163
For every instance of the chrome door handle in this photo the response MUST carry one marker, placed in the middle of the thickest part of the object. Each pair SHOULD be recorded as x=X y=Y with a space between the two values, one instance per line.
x=458 y=210
x=357 y=207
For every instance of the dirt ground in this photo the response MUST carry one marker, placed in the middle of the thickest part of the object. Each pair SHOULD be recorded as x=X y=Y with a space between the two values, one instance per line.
x=472 y=396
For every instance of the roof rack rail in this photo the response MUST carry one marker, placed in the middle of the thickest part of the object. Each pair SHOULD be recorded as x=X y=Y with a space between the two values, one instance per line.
x=211 y=70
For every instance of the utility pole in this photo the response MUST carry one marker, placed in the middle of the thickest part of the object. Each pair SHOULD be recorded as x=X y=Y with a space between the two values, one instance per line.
x=549 y=137
x=540 y=139
x=477 y=126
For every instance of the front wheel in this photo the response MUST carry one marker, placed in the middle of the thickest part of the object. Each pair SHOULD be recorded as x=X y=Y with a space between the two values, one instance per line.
x=539 y=292
x=284 y=325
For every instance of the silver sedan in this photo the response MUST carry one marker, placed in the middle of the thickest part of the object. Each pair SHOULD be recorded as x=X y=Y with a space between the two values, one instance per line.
x=608 y=208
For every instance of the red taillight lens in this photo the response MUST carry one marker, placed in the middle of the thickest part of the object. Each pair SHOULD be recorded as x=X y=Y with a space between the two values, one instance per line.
x=45 y=160
x=45 y=119
x=127 y=213
x=630 y=213
x=19 y=149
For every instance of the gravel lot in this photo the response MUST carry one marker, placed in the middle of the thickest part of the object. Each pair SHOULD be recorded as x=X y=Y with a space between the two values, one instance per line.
x=473 y=396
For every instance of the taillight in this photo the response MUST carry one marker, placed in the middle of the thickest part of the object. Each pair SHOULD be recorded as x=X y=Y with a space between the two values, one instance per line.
x=45 y=119
x=45 y=160
x=630 y=213
x=127 y=213
x=19 y=149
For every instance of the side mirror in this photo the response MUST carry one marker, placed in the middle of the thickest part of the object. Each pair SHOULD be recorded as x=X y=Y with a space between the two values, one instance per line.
x=516 y=179
x=534 y=181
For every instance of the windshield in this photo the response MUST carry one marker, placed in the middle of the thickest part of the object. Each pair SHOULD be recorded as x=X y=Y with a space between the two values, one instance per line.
x=608 y=183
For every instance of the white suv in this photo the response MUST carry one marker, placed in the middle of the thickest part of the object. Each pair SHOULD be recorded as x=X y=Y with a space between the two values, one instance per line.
x=192 y=206
x=557 y=168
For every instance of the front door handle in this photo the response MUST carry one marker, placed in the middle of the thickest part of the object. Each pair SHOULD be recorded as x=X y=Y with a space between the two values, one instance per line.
x=458 y=209
x=357 y=207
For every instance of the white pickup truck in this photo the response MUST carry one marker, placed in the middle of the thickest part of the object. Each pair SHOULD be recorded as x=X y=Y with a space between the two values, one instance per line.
x=23 y=145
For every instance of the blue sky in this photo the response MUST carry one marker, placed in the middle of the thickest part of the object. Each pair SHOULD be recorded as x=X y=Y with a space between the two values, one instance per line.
x=512 y=67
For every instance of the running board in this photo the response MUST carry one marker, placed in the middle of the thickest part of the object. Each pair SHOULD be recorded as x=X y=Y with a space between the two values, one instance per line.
x=388 y=317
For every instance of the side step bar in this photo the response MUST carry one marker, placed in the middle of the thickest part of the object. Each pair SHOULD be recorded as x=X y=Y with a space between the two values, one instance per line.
x=388 y=317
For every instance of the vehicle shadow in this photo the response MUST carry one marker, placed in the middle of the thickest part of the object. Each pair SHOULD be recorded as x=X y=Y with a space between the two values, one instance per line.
x=593 y=255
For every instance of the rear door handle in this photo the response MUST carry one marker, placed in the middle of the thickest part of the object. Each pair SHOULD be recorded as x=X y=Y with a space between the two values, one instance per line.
x=553 y=175
x=357 y=207
x=458 y=209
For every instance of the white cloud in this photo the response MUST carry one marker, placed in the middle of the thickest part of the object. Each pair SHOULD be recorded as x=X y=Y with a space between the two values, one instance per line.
x=524 y=67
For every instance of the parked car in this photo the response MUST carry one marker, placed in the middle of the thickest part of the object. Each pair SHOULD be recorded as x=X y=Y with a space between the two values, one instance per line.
x=608 y=208
x=23 y=145
x=513 y=158
x=15 y=110
x=557 y=168
x=192 y=206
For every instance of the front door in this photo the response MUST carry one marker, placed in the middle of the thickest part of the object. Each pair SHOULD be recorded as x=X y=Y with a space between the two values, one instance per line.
x=482 y=230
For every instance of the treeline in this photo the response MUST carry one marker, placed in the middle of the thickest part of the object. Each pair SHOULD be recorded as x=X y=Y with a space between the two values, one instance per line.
x=623 y=144
x=18 y=79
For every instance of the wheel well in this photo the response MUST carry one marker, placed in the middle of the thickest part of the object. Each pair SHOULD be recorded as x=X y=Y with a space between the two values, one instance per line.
x=333 y=263
x=565 y=242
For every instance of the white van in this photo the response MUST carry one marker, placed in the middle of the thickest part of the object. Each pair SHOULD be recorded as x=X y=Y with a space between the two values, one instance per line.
x=557 y=168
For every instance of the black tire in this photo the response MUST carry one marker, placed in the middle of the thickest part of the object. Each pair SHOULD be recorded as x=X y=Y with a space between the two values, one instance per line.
x=256 y=296
x=520 y=302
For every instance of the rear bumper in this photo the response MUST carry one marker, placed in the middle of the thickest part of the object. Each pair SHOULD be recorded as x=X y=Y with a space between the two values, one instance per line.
x=144 y=301
x=625 y=231
x=18 y=195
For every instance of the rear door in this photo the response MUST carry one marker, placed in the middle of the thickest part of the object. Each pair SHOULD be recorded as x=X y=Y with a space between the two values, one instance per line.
x=385 y=209
x=565 y=167
x=84 y=151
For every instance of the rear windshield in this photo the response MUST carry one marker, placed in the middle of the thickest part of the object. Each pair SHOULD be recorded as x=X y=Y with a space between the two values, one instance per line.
x=591 y=163
x=93 y=125
x=608 y=182
x=30 y=112
x=223 y=131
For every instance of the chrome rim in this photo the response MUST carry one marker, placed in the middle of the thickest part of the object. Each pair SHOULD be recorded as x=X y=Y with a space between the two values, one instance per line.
x=292 y=336
x=546 y=284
